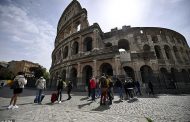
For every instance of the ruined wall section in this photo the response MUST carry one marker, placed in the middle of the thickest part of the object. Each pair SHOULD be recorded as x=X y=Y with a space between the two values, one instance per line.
x=73 y=19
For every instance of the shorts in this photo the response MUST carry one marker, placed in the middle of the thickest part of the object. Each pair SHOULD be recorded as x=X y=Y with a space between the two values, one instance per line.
x=17 y=91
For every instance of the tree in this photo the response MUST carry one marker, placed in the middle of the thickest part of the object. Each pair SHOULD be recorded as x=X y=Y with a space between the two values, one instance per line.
x=6 y=74
x=40 y=71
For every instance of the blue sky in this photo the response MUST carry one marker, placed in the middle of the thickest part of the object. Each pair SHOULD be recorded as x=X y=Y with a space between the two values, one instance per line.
x=28 y=27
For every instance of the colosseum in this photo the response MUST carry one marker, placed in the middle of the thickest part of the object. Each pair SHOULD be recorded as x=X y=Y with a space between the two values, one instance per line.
x=145 y=54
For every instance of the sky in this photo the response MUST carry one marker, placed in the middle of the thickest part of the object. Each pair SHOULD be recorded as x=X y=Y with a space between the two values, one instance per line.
x=28 y=27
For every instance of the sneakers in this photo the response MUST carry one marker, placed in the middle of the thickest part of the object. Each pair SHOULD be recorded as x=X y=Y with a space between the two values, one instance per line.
x=15 y=107
x=59 y=101
x=10 y=107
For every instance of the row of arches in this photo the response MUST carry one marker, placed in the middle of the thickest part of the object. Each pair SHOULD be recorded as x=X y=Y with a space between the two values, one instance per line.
x=162 y=78
x=168 y=52
x=124 y=44
x=64 y=52
x=87 y=73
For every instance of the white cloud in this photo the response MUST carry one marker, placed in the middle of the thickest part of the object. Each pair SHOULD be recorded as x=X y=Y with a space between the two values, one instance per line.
x=32 y=37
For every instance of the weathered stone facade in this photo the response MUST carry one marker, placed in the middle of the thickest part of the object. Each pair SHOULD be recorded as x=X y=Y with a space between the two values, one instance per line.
x=22 y=66
x=151 y=53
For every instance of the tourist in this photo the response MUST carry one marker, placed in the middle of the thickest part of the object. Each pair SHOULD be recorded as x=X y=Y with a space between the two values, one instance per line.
x=103 y=86
x=150 y=86
x=60 y=87
x=137 y=85
x=98 y=91
x=93 y=87
x=110 y=89
x=20 y=80
x=118 y=84
x=69 y=88
x=41 y=85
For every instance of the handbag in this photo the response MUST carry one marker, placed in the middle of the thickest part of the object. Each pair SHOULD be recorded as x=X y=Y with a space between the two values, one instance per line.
x=15 y=85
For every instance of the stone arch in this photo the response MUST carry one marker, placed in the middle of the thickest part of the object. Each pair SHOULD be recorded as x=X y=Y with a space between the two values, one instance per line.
x=176 y=53
x=129 y=72
x=146 y=73
x=187 y=53
x=106 y=68
x=54 y=58
x=154 y=39
x=75 y=48
x=146 y=48
x=185 y=76
x=88 y=44
x=174 y=75
x=63 y=74
x=86 y=74
x=168 y=52
x=73 y=76
x=158 y=52
x=123 y=44
x=164 y=78
x=78 y=26
x=65 y=52
x=183 y=54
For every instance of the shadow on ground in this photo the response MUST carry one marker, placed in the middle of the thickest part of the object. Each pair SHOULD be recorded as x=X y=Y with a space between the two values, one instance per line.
x=85 y=104
x=101 y=108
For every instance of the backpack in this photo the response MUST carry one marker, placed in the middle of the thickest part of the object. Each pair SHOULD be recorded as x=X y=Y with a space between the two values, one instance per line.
x=103 y=82
x=15 y=85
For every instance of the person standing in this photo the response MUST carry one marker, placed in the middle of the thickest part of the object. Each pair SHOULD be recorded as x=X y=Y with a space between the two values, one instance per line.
x=137 y=84
x=103 y=86
x=150 y=86
x=98 y=92
x=59 y=89
x=41 y=85
x=69 y=88
x=110 y=89
x=93 y=87
x=119 y=86
x=21 y=81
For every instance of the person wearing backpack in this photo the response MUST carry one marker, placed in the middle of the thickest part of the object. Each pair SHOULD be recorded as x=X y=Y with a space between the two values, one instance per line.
x=41 y=85
x=18 y=86
x=103 y=86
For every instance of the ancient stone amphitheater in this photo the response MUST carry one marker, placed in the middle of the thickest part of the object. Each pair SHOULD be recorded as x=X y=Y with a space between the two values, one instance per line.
x=146 y=54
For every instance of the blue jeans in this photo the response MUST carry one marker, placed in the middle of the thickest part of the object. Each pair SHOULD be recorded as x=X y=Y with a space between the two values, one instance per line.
x=98 y=92
x=120 y=90
x=40 y=95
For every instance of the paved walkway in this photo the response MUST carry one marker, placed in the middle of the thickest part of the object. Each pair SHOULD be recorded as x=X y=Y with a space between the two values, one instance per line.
x=163 y=108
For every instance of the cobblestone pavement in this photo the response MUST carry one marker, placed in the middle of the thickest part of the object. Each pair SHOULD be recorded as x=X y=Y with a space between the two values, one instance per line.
x=162 y=108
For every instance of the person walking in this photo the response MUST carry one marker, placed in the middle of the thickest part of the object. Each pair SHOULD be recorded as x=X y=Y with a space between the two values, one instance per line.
x=137 y=84
x=98 y=91
x=20 y=80
x=41 y=85
x=69 y=88
x=150 y=86
x=93 y=87
x=60 y=89
x=118 y=84
x=110 y=89
x=103 y=86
